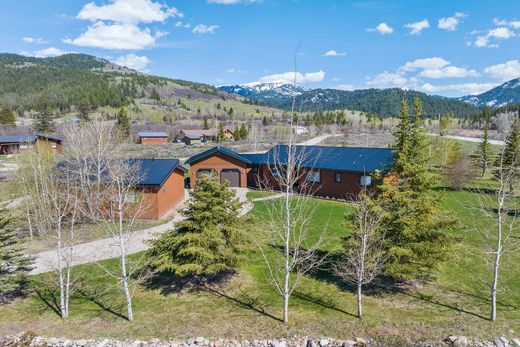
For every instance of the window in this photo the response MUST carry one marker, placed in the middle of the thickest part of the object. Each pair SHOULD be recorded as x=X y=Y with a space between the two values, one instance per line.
x=131 y=197
x=314 y=176
x=337 y=177
x=365 y=181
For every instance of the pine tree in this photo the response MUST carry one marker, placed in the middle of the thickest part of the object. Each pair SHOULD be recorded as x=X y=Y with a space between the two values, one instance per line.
x=155 y=95
x=84 y=109
x=484 y=152
x=43 y=122
x=221 y=136
x=14 y=265
x=7 y=116
x=415 y=225
x=244 y=133
x=206 y=123
x=509 y=160
x=230 y=112
x=264 y=121
x=123 y=123
x=209 y=240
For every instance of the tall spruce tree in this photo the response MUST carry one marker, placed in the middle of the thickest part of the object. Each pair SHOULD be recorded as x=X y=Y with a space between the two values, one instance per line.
x=221 y=136
x=509 y=160
x=84 y=110
x=206 y=123
x=14 y=264
x=43 y=122
x=7 y=116
x=123 y=123
x=209 y=240
x=484 y=155
x=416 y=227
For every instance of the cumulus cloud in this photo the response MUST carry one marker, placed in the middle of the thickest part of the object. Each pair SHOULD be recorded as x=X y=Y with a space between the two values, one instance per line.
x=417 y=27
x=451 y=23
x=205 y=29
x=515 y=24
x=116 y=24
x=333 y=53
x=493 y=36
x=129 y=11
x=232 y=2
x=460 y=89
x=388 y=80
x=291 y=77
x=382 y=28
x=424 y=63
x=133 y=61
x=33 y=40
x=505 y=71
x=448 y=72
x=116 y=36
x=345 y=86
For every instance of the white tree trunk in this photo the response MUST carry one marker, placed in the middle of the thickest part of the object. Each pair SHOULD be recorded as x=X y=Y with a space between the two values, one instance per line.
x=496 y=265
x=124 y=277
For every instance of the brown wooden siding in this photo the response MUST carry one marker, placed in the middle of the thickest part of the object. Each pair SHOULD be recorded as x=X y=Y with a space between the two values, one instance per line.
x=218 y=162
x=153 y=140
x=158 y=201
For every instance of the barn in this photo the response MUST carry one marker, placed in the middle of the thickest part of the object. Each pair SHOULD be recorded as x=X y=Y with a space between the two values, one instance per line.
x=153 y=137
x=161 y=183
x=15 y=143
x=336 y=172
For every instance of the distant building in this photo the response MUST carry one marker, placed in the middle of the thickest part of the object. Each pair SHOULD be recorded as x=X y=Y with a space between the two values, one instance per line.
x=299 y=130
x=153 y=137
x=197 y=136
x=15 y=143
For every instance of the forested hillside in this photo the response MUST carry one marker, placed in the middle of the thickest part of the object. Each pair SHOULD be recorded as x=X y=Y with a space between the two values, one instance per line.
x=70 y=79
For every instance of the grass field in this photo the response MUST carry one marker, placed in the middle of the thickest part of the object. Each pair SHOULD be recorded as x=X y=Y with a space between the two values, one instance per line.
x=455 y=301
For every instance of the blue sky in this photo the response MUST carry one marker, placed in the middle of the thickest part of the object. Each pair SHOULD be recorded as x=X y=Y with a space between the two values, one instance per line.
x=440 y=47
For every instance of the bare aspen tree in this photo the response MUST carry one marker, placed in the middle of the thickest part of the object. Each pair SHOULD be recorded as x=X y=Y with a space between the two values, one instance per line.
x=500 y=231
x=364 y=257
x=54 y=212
x=289 y=217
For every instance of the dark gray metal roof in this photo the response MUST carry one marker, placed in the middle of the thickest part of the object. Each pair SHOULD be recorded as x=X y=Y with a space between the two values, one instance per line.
x=353 y=159
x=215 y=150
x=155 y=172
x=24 y=138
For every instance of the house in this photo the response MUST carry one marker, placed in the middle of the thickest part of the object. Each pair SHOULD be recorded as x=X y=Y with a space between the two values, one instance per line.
x=332 y=171
x=197 y=136
x=15 y=143
x=299 y=130
x=153 y=137
x=161 y=183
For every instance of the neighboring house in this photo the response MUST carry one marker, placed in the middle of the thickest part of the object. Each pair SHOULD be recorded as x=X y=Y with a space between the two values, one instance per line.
x=15 y=143
x=197 y=136
x=299 y=130
x=229 y=135
x=153 y=137
x=333 y=171
x=161 y=181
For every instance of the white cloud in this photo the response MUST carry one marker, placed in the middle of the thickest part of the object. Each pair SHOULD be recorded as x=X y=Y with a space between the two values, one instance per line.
x=129 y=11
x=133 y=61
x=47 y=52
x=388 y=79
x=493 y=36
x=333 y=53
x=33 y=40
x=234 y=71
x=345 y=86
x=448 y=72
x=205 y=29
x=116 y=36
x=424 y=64
x=515 y=24
x=232 y=2
x=291 y=77
x=459 y=89
x=382 y=28
x=417 y=27
x=505 y=71
x=451 y=23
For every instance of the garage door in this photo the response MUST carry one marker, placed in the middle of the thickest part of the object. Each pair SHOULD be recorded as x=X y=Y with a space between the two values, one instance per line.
x=230 y=175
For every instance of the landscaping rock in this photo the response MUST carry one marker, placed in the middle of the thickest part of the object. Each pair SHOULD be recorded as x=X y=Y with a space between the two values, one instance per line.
x=461 y=341
x=516 y=342
x=324 y=343
x=498 y=343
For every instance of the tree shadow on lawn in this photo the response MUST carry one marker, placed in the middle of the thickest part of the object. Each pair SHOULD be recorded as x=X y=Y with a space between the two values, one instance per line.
x=96 y=297
x=168 y=284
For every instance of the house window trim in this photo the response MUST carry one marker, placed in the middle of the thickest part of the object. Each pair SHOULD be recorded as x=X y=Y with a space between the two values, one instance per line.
x=336 y=175
x=311 y=176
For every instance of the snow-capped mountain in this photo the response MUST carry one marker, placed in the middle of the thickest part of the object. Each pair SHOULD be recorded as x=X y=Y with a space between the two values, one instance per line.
x=507 y=93
x=264 y=91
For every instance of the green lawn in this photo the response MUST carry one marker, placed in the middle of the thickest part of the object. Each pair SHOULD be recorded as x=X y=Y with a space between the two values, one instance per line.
x=246 y=306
